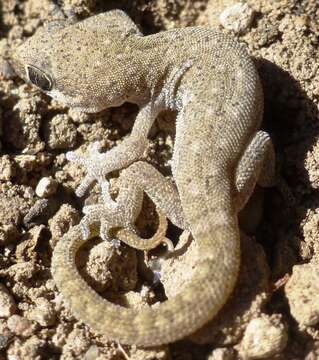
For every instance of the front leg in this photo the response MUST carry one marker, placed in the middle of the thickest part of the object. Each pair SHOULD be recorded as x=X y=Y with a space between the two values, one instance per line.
x=98 y=164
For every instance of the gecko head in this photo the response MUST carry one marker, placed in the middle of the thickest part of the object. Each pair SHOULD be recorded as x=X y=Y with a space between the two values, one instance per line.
x=74 y=65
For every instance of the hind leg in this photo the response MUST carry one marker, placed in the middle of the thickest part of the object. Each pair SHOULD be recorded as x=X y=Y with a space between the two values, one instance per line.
x=121 y=214
x=257 y=165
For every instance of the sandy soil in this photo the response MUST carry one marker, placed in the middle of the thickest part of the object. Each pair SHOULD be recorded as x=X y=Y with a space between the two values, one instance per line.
x=274 y=311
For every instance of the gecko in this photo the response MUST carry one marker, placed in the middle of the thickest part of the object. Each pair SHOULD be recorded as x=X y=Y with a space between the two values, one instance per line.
x=219 y=155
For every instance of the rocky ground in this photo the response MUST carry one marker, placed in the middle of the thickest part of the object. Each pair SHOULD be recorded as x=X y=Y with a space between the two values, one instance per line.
x=274 y=311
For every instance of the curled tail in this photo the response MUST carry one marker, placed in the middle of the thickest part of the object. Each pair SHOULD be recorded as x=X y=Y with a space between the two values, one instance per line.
x=171 y=320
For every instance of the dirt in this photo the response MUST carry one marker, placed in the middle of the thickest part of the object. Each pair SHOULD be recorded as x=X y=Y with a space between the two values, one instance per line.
x=274 y=310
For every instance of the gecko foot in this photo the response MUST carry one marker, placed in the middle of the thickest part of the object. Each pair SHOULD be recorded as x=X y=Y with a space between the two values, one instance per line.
x=105 y=218
x=101 y=218
x=113 y=223
x=94 y=163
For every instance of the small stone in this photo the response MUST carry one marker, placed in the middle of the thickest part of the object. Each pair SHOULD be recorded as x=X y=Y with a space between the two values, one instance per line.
x=77 y=343
x=302 y=291
x=46 y=187
x=107 y=268
x=7 y=168
x=59 y=337
x=32 y=348
x=61 y=222
x=237 y=17
x=78 y=116
x=25 y=250
x=20 y=325
x=7 y=303
x=11 y=209
x=60 y=132
x=43 y=312
x=264 y=337
x=222 y=354
x=158 y=353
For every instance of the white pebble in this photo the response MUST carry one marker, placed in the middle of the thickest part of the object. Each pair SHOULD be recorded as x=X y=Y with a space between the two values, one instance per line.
x=264 y=337
x=237 y=17
x=46 y=187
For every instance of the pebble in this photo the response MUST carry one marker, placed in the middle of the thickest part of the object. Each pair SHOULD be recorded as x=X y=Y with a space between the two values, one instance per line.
x=60 y=132
x=46 y=187
x=302 y=291
x=20 y=325
x=7 y=168
x=43 y=312
x=264 y=337
x=237 y=17
x=7 y=303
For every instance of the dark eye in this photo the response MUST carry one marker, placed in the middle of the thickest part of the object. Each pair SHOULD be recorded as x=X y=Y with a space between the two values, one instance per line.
x=38 y=78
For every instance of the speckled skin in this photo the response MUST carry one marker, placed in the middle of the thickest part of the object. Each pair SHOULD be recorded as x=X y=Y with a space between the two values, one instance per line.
x=219 y=153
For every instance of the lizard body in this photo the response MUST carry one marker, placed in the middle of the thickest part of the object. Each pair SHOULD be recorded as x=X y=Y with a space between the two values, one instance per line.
x=219 y=154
